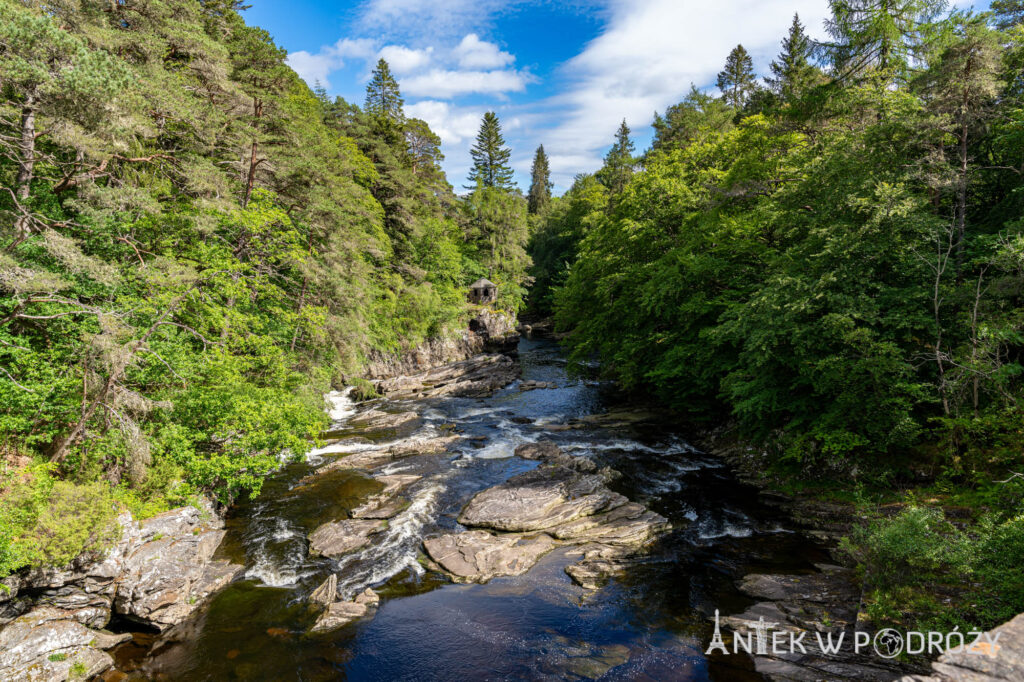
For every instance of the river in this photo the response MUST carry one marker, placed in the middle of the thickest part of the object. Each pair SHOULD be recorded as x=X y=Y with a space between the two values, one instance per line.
x=651 y=623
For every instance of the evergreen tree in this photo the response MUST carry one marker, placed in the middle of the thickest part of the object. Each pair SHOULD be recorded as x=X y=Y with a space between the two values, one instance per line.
x=383 y=98
x=490 y=156
x=876 y=35
x=792 y=70
x=1008 y=13
x=737 y=80
x=540 y=182
x=619 y=163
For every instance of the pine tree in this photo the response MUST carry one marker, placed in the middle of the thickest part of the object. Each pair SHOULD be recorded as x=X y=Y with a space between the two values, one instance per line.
x=540 y=182
x=619 y=163
x=490 y=156
x=383 y=98
x=737 y=80
x=792 y=70
x=876 y=35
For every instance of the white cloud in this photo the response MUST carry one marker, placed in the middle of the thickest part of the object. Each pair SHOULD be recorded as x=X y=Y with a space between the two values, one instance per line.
x=474 y=53
x=452 y=124
x=317 y=67
x=430 y=20
x=446 y=84
x=404 y=59
x=647 y=56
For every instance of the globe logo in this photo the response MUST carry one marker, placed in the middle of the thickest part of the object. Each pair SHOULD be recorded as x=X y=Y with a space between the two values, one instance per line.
x=888 y=643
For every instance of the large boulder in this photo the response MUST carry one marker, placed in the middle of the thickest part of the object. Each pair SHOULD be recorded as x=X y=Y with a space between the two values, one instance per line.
x=45 y=644
x=539 y=499
x=341 y=537
x=477 y=376
x=171 y=571
x=478 y=556
x=998 y=656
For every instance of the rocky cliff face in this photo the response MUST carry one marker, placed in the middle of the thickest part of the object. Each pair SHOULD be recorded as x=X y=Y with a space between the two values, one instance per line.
x=159 y=572
x=488 y=332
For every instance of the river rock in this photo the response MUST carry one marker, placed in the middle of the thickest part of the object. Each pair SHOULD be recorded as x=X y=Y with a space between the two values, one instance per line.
x=45 y=645
x=543 y=450
x=324 y=595
x=534 y=385
x=171 y=572
x=387 y=503
x=342 y=613
x=478 y=376
x=341 y=537
x=389 y=424
x=629 y=524
x=539 y=499
x=478 y=556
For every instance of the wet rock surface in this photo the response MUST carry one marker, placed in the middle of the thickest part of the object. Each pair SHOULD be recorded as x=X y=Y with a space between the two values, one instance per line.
x=341 y=537
x=824 y=602
x=477 y=555
x=566 y=499
x=341 y=613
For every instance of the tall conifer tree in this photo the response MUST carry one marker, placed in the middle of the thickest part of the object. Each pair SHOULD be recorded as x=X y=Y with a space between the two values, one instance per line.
x=540 y=182
x=383 y=98
x=490 y=156
x=737 y=80
x=619 y=163
x=792 y=69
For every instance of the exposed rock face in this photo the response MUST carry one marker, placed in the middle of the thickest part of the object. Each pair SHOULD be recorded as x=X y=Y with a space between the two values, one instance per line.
x=45 y=644
x=489 y=331
x=374 y=458
x=158 y=573
x=477 y=555
x=394 y=425
x=341 y=537
x=324 y=595
x=477 y=376
x=567 y=500
x=172 y=572
x=1003 y=662
x=342 y=613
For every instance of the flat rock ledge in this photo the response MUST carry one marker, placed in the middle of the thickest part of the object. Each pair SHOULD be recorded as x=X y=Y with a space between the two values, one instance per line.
x=478 y=376
x=159 y=572
x=371 y=459
x=387 y=503
x=565 y=501
x=341 y=537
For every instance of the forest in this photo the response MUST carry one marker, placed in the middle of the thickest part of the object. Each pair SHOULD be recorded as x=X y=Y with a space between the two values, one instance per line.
x=831 y=261
x=195 y=245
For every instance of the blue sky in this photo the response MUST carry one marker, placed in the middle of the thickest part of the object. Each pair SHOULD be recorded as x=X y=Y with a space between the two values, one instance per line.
x=561 y=74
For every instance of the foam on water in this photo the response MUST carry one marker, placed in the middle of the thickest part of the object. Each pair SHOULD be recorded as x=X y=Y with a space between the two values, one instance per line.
x=394 y=549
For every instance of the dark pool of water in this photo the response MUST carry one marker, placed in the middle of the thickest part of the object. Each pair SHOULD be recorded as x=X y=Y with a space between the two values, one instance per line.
x=650 y=624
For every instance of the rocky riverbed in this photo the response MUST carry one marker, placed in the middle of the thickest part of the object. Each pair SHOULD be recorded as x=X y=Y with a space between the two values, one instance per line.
x=542 y=529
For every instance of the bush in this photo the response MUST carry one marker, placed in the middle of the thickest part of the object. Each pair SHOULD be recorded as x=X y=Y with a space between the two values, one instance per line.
x=46 y=522
x=907 y=561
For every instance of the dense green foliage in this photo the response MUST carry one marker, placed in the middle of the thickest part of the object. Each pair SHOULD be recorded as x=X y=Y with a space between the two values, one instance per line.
x=920 y=570
x=834 y=265
x=194 y=246
x=838 y=272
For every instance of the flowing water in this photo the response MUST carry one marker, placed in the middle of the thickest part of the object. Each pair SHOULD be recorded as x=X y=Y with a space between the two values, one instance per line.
x=649 y=624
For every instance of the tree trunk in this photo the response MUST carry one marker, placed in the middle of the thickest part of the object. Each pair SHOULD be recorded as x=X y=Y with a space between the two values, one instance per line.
x=250 y=180
x=26 y=162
